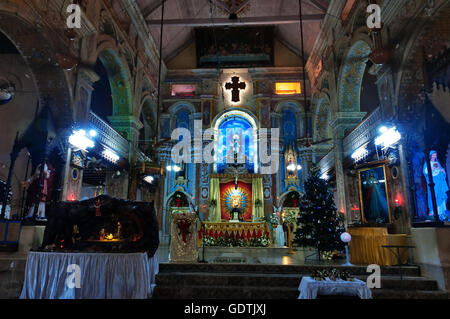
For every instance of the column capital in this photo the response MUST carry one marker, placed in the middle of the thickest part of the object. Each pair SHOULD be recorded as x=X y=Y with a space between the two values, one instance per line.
x=88 y=75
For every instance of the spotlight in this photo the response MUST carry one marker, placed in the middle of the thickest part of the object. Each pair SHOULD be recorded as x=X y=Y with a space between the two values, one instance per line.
x=388 y=137
x=80 y=140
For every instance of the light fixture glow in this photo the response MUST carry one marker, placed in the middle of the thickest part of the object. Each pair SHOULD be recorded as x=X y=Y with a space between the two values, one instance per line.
x=93 y=133
x=299 y=167
x=388 y=138
x=291 y=167
x=360 y=153
x=79 y=140
x=325 y=176
x=149 y=179
x=176 y=168
x=383 y=129
x=110 y=155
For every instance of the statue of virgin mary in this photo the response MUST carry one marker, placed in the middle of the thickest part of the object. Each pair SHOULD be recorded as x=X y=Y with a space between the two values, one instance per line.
x=440 y=186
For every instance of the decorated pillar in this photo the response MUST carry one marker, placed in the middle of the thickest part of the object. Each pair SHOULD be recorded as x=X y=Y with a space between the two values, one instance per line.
x=73 y=168
x=345 y=121
x=86 y=79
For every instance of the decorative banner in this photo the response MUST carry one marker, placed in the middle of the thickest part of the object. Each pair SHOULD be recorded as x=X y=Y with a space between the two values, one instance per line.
x=240 y=198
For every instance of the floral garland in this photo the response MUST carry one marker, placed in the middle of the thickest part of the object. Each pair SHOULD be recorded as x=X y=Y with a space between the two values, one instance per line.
x=233 y=242
x=332 y=274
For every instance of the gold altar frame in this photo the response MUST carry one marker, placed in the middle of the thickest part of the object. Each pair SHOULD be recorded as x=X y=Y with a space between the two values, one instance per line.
x=369 y=167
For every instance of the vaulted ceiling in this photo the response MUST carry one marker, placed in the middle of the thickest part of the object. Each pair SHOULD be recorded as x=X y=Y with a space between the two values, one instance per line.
x=182 y=16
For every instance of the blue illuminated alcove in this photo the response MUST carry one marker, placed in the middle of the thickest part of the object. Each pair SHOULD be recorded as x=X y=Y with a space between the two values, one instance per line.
x=229 y=127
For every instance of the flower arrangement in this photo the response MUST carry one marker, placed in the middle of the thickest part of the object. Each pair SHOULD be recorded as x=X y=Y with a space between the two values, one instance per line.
x=290 y=218
x=259 y=242
x=273 y=219
x=332 y=274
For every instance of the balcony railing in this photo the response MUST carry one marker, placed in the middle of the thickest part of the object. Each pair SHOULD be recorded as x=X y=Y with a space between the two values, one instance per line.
x=110 y=137
x=363 y=133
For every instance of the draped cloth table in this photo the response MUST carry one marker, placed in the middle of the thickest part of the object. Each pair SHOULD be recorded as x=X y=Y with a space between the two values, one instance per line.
x=102 y=276
x=366 y=246
x=310 y=288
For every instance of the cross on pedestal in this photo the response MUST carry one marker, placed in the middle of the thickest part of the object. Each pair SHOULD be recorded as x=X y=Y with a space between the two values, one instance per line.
x=235 y=86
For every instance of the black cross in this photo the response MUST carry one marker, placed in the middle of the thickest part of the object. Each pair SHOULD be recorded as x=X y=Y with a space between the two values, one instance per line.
x=235 y=86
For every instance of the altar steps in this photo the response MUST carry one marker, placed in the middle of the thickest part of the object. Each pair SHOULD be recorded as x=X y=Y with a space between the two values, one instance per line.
x=12 y=276
x=245 y=281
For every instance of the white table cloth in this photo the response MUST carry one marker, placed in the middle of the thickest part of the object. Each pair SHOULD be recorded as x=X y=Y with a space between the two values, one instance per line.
x=310 y=288
x=102 y=276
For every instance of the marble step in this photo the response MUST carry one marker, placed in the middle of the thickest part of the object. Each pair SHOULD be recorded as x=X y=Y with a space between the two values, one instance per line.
x=277 y=293
x=276 y=280
x=412 y=271
x=408 y=294
x=224 y=292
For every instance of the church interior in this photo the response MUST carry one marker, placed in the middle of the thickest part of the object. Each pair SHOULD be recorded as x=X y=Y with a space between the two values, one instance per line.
x=224 y=149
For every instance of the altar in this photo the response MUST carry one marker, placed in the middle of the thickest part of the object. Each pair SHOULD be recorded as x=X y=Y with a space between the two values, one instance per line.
x=235 y=234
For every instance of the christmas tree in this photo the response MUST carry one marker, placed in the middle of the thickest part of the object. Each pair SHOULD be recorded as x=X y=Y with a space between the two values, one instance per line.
x=319 y=224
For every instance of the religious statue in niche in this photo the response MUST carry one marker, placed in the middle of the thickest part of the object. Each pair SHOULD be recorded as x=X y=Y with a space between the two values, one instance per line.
x=180 y=177
x=38 y=196
x=236 y=203
x=440 y=186
x=291 y=165
x=235 y=151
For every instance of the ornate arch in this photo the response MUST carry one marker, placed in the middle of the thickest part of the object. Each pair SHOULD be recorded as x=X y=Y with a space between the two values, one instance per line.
x=299 y=112
x=352 y=73
x=49 y=78
x=175 y=108
x=322 y=118
x=119 y=80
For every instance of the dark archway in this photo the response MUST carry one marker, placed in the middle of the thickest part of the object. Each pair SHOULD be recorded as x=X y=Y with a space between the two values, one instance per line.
x=102 y=104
